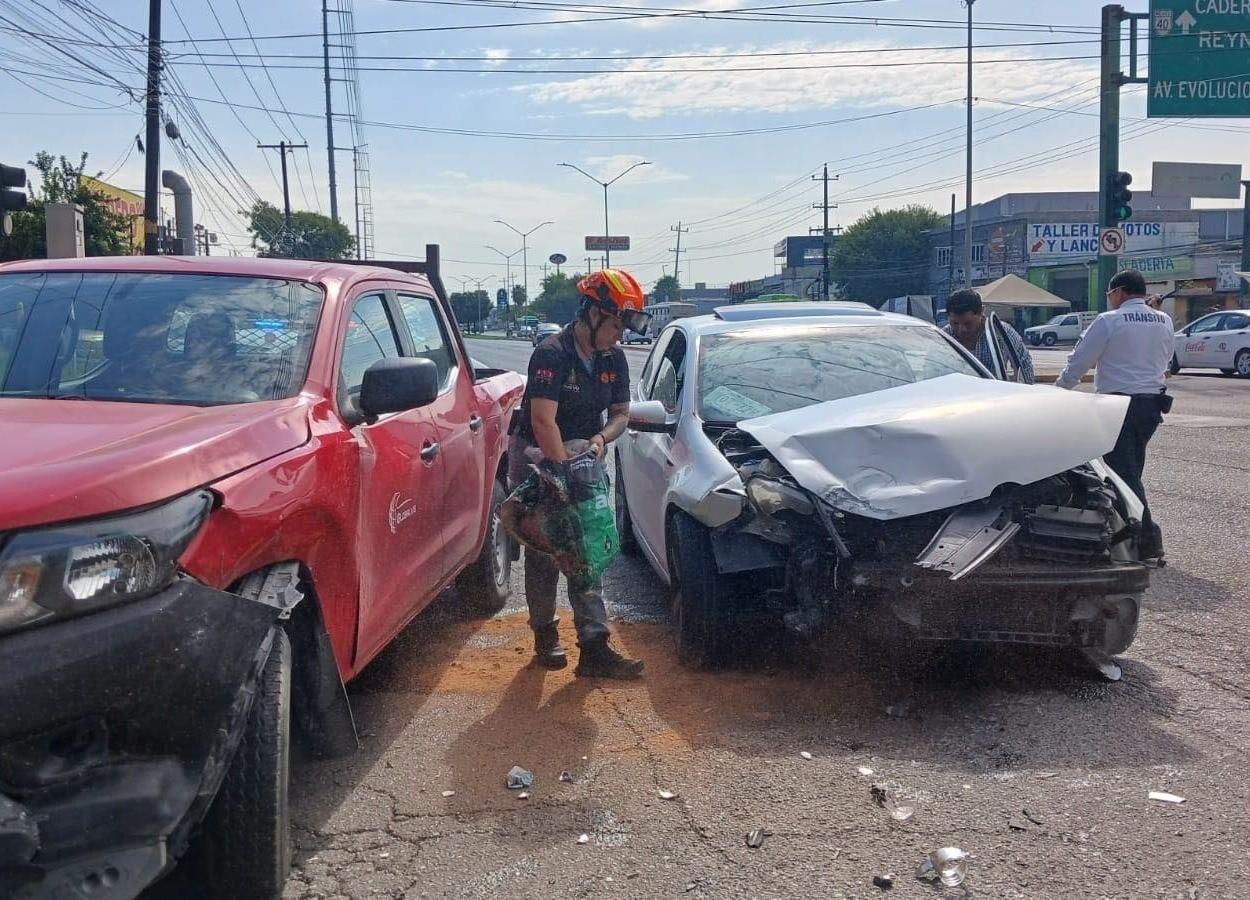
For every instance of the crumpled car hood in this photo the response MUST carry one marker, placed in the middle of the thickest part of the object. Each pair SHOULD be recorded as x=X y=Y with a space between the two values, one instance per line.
x=938 y=443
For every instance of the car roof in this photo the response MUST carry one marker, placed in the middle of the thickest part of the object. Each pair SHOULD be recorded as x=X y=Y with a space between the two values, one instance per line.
x=748 y=312
x=851 y=314
x=255 y=267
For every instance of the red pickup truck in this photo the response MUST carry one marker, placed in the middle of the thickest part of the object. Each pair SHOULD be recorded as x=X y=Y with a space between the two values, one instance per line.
x=225 y=486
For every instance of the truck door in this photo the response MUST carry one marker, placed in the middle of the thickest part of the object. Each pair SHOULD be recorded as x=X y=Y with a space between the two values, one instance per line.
x=460 y=429
x=402 y=483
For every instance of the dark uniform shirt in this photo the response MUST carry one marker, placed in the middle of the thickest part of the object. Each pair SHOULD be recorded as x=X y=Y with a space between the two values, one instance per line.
x=556 y=372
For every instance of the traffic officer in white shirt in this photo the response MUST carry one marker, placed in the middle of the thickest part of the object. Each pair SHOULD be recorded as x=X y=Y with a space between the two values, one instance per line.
x=1131 y=345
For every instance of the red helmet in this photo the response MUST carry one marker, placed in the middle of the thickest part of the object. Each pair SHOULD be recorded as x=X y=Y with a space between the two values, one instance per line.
x=617 y=293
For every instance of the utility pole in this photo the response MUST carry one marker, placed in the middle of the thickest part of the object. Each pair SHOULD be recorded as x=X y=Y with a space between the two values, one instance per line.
x=950 y=262
x=677 y=252
x=968 y=177
x=355 y=152
x=283 y=147
x=325 y=50
x=1245 y=246
x=825 y=230
x=587 y=272
x=607 y=258
x=508 y=276
x=525 y=254
x=152 y=150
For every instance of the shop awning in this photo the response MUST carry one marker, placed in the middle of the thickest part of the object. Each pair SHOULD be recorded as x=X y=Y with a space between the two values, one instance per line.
x=1013 y=292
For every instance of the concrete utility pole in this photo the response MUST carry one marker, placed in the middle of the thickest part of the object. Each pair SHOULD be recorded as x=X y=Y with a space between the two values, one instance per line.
x=1245 y=245
x=283 y=147
x=677 y=251
x=607 y=253
x=968 y=177
x=525 y=256
x=325 y=50
x=828 y=293
x=152 y=150
x=508 y=276
x=950 y=262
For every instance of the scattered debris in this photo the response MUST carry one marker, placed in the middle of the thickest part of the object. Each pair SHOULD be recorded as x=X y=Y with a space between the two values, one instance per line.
x=566 y=777
x=690 y=886
x=584 y=839
x=524 y=795
x=1032 y=817
x=898 y=710
x=585 y=758
x=865 y=771
x=948 y=865
x=1046 y=775
x=449 y=793
x=886 y=799
x=667 y=795
x=1165 y=797
x=805 y=755
x=384 y=856
x=755 y=838
x=1017 y=825
x=885 y=882
x=519 y=779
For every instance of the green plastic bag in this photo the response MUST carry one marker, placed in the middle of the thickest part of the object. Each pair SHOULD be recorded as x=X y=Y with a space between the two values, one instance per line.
x=565 y=513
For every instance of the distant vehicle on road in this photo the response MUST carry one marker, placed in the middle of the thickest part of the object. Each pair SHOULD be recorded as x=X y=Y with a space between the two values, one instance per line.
x=633 y=337
x=1219 y=340
x=1066 y=328
x=269 y=467
x=543 y=331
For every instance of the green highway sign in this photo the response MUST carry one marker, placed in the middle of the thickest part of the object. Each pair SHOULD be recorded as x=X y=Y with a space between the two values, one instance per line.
x=1199 y=59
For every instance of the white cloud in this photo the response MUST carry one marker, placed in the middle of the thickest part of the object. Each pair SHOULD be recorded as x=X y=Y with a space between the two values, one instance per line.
x=607 y=167
x=655 y=88
x=497 y=55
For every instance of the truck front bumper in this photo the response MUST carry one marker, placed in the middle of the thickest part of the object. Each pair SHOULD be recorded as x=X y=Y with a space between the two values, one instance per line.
x=116 y=730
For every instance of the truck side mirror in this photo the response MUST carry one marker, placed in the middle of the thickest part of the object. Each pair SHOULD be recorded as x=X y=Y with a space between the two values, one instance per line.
x=397 y=385
x=651 y=417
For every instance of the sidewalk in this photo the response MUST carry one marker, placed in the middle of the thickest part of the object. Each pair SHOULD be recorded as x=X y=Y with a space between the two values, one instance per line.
x=1048 y=365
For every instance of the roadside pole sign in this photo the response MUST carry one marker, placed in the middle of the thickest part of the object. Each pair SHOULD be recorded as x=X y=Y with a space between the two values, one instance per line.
x=501 y=298
x=1199 y=59
x=1172 y=179
x=600 y=243
x=1111 y=241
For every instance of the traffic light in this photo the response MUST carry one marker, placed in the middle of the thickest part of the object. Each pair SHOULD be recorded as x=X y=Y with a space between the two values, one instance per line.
x=12 y=177
x=1118 y=196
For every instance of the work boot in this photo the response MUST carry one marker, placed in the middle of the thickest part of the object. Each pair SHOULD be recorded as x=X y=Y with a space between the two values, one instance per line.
x=598 y=660
x=547 y=650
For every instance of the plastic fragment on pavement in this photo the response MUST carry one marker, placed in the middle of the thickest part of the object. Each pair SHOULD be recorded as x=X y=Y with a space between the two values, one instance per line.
x=755 y=838
x=865 y=771
x=524 y=795
x=449 y=793
x=1165 y=797
x=519 y=779
x=667 y=795
x=948 y=865
x=885 y=882
x=584 y=839
x=566 y=777
x=805 y=755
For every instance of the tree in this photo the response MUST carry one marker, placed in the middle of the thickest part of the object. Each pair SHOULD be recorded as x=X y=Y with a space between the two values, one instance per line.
x=559 y=299
x=105 y=232
x=884 y=255
x=519 y=297
x=667 y=290
x=470 y=307
x=311 y=236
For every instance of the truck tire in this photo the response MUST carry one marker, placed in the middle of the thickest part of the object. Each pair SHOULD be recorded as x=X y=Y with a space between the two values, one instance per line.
x=624 y=525
x=703 y=606
x=244 y=848
x=486 y=585
x=1050 y=339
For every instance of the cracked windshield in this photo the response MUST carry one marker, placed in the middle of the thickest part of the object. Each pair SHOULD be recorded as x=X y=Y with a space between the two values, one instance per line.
x=702 y=448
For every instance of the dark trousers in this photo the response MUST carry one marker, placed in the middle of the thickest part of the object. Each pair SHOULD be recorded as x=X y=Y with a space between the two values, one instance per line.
x=1128 y=458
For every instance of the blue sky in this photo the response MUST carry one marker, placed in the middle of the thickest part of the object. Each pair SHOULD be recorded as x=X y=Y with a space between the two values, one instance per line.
x=893 y=134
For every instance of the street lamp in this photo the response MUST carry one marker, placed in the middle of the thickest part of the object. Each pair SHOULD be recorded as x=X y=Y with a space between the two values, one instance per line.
x=525 y=257
x=508 y=282
x=607 y=252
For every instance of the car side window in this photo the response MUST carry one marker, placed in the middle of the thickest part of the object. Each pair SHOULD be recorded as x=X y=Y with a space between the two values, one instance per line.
x=1236 y=322
x=370 y=337
x=1210 y=323
x=429 y=334
x=670 y=374
x=647 y=377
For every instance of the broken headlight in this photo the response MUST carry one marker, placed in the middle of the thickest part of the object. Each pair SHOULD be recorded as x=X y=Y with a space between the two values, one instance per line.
x=67 y=570
x=769 y=497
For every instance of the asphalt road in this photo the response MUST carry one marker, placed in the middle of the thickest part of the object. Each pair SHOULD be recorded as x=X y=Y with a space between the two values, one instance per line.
x=451 y=707
x=515 y=355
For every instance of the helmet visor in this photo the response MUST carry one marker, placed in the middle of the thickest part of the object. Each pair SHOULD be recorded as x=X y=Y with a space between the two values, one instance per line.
x=636 y=320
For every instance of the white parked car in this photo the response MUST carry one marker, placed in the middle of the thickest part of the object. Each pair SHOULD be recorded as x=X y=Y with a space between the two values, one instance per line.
x=1220 y=340
x=633 y=337
x=1066 y=327
x=834 y=465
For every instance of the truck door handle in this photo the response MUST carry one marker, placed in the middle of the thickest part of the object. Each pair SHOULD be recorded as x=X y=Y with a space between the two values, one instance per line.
x=429 y=452
x=475 y=423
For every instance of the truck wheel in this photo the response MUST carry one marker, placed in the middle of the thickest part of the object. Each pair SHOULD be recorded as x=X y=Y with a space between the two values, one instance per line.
x=1050 y=339
x=486 y=585
x=624 y=525
x=244 y=849
x=704 y=603
x=1175 y=365
x=1242 y=363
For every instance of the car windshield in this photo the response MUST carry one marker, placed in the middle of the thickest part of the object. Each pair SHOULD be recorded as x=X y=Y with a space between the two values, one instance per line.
x=201 y=340
x=749 y=373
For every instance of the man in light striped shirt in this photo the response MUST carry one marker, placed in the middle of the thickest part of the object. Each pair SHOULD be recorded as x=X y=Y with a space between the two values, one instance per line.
x=967 y=325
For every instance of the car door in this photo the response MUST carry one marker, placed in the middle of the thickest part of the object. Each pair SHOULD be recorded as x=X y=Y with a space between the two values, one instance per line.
x=653 y=460
x=627 y=445
x=1192 y=349
x=1007 y=362
x=461 y=437
x=401 y=484
x=1230 y=337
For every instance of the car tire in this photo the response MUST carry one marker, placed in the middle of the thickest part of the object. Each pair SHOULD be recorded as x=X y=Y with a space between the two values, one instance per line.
x=703 y=603
x=1175 y=365
x=244 y=847
x=1242 y=363
x=486 y=585
x=1034 y=340
x=624 y=524
x=1050 y=339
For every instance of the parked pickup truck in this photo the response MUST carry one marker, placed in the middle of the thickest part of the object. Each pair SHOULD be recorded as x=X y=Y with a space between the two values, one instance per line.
x=1066 y=327
x=225 y=486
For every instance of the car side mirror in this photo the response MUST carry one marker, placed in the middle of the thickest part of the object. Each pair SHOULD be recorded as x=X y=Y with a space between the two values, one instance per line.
x=398 y=385
x=651 y=417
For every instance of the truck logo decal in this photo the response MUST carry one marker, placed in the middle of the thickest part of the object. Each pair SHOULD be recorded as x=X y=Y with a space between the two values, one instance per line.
x=400 y=511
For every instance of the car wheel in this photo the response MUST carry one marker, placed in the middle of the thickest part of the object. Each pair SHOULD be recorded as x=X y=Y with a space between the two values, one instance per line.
x=624 y=525
x=1175 y=365
x=1034 y=340
x=244 y=848
x=1242 y=363
x=1050 y=339
x=703 y=605
x=486 y=585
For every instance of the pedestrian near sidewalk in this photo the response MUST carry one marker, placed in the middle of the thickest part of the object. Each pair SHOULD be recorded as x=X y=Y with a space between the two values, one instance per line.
x=574 y=378
x=1131 y=345
x=967 y=325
